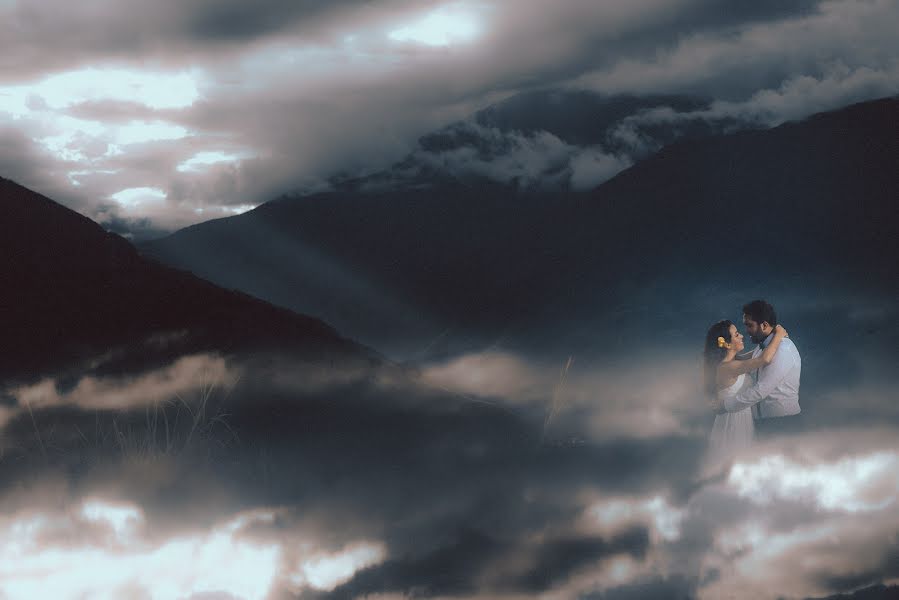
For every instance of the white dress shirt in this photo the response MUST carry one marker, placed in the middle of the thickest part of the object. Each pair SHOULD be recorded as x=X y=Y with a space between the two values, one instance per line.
x=776 y=389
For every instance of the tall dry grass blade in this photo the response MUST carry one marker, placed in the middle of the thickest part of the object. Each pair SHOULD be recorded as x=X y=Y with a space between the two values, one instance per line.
x=556 y=398
x=37 y=432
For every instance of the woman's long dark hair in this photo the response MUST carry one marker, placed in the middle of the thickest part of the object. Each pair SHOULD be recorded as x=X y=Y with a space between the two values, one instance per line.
x=712 y=355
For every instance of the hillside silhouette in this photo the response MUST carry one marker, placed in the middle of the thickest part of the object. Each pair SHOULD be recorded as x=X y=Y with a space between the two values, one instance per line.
x=73 y=295
x=803 y=204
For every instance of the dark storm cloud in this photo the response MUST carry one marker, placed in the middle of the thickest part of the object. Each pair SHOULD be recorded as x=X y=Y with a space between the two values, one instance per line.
x=233 y=20
x=40 y=31
x=738 y=63
x=299 y=92
x=370 y=135
x=40 y=36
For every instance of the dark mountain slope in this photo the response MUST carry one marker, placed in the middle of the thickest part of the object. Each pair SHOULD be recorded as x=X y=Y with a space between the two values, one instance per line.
x=71 y=293
x=796 y=206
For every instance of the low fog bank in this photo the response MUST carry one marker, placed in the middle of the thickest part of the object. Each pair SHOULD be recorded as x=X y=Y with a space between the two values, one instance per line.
x=492 y=473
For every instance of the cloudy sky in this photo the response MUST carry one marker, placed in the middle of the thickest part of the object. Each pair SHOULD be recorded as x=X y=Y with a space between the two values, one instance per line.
x=151 y=116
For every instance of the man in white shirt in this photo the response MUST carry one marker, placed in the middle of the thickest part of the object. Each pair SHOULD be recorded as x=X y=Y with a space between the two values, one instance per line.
x=774 y=394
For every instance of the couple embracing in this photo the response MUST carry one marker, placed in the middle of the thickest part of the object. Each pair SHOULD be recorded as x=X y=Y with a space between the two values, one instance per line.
x=754 y=394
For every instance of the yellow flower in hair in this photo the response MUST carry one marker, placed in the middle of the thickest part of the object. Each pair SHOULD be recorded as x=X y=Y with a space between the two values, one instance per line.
x=722 y=343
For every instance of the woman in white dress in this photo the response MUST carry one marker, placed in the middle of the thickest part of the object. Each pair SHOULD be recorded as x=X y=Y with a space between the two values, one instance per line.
x=726 y=375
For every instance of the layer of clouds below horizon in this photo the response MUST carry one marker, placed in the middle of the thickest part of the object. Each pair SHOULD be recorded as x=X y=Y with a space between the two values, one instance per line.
x=486 y=475
x=190 y=113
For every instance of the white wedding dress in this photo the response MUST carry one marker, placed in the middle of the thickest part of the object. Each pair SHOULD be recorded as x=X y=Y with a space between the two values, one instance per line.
x=732 y=432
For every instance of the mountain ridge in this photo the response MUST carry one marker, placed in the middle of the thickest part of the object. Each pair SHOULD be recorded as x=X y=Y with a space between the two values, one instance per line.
x=814 y=200
x=72 y=292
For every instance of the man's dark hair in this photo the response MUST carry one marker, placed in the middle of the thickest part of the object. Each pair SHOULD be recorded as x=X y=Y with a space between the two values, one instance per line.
x=760 y=312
